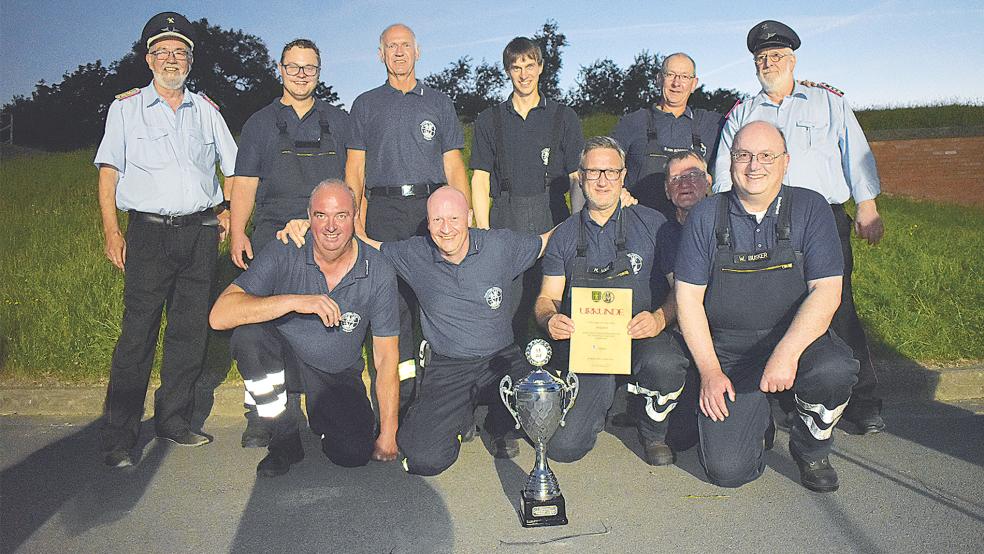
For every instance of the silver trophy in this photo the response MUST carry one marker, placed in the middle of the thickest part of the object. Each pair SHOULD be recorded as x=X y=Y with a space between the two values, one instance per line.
x=539 y=402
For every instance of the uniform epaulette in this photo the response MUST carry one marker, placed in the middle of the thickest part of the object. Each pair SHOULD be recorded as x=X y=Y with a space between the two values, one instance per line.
x=831 y=88
x=130 y=93
x=209 y=100
x=733 y=108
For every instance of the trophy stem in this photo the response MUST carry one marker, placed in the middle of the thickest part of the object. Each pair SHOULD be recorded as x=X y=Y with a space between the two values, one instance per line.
x=542 y=483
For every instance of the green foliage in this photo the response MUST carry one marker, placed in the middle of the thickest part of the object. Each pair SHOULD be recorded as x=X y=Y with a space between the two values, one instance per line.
x=471 y=90
x=922 y=117
x=919 y=291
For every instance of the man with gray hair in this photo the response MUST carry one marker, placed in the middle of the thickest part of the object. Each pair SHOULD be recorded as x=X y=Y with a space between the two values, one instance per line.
x=405 y=144
x=650 y=135
x=318 y=302
x=608 y=245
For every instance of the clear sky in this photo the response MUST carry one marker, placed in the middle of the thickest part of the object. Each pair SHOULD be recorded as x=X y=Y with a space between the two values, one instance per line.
x=895 y=52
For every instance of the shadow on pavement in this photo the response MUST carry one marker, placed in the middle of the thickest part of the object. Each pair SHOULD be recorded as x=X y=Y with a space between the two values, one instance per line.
x=320 y=507
x=67 y=477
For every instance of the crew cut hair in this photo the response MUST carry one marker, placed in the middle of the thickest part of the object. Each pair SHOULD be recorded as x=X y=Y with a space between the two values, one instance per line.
x=520 y=47
x=300 y=43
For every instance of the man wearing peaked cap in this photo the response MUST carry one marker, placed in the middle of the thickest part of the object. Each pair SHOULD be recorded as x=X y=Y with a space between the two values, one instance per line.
x=157 y=162
x=829 y=154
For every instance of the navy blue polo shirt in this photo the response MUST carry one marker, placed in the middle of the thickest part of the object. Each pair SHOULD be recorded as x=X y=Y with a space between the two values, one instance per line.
x=667 y=241
x=813 y=233
x=404 y=136
x=366 y=296
x=671 y=131
x=258 y=145
x=526 y=145
x=642 y=224
x=464 y=308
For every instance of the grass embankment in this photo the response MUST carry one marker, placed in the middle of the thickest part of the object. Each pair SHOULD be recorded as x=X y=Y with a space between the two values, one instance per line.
x=918 y=292
x=922 y=117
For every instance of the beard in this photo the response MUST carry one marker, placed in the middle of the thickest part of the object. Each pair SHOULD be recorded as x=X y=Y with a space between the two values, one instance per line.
x=774 y=82
x=171 y=81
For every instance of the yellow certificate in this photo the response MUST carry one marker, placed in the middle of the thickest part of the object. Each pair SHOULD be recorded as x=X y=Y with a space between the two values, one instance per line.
x=600 y=342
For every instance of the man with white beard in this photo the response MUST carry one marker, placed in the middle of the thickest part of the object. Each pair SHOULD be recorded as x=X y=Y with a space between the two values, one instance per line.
x=157 y=163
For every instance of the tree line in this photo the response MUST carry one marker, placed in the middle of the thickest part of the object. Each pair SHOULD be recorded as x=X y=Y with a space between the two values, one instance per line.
x=237 y=71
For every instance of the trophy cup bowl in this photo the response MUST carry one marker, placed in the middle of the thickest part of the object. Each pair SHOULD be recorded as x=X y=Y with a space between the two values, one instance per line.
x=539 y=403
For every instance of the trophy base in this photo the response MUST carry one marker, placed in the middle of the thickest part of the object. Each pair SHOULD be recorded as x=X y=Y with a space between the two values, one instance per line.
x=542 y=513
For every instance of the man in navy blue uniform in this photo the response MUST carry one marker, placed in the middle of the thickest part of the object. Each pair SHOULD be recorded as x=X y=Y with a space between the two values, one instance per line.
x=758 y=278
x=829 y=154
x=524 y=158
x=406 y=143
x=318 y=302
x=286 y=149
x=461 y=277
x=607 y=245
x=651 y=135
x=157 y=163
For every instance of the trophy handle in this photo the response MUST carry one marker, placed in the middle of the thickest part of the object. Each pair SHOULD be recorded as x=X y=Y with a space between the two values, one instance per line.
x=570 y=391
x=505 y=392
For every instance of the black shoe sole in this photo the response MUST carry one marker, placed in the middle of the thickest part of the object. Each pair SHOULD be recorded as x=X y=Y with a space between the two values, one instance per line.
x=820 y=488
x=255 y=442
x=196 y=444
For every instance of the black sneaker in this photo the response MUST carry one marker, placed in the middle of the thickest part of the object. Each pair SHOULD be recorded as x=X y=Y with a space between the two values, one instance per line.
x=118 y=458
x=817 y=475
x=865 y=418
x=658 y=453
x=282 y=455
x=257 y=433
x=186 y=438
x=505 y=448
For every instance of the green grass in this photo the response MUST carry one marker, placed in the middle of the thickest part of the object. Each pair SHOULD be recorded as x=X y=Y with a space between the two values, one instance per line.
x=922 y=117
x=919 y=292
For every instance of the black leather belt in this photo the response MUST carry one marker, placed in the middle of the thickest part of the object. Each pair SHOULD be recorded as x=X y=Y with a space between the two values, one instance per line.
x=204 y=217
x=420 y=189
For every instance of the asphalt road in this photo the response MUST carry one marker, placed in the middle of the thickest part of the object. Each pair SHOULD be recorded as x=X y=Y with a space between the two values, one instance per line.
x=916 y=488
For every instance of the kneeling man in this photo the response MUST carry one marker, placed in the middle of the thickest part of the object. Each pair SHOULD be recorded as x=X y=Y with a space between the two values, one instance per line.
x=318 y=301
x=758 y=279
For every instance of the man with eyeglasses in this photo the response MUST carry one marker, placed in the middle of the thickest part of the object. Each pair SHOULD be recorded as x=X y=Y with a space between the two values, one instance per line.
x=157 y=162
x=758 y=278
x=651 y=135
x=406 y=143
x=609 y=245
x=286 y=149
x=524 y=157
x=828 y=153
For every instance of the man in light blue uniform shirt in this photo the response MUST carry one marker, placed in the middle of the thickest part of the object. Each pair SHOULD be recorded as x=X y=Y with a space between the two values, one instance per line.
x=157 y=162
x=828 y=153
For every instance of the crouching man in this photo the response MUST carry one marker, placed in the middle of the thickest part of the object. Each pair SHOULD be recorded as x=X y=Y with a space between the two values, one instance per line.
x=318 y=302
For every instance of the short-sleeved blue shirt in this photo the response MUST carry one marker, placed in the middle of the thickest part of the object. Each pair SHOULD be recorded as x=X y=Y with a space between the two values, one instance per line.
x=464 y=308
x=404 y=136
x=671 y=132
x=166 y=158
x=258 y=145
x=366 y=296
x=642 y=224
x=813 y=233
x=527 y=145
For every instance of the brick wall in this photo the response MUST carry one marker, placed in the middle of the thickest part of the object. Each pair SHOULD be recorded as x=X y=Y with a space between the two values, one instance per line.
x=942 y=169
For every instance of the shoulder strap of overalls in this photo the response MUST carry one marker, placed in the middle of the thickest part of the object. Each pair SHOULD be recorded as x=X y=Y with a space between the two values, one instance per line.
x=722 y=223
x=784 y=225
x=554 y=144
x=283 y=139
x=323 y=122
x=499 y=159
x=651 y=136
x=698 y=145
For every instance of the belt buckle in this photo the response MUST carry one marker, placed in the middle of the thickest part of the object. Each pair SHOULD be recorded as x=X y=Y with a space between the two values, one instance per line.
x=406 y=190
x=171 y=221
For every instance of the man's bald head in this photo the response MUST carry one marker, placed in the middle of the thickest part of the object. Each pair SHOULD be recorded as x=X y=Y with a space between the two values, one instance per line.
x=334 y=186
x=450 y=196
x=761 y=131
x=447 y=220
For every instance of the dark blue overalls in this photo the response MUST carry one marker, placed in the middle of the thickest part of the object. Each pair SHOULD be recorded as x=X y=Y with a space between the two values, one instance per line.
x=750 y=301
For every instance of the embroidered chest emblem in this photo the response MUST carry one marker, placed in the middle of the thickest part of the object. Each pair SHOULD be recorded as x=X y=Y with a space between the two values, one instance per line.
x=428 y=129
x=636 y=261
x=350 y=320
x=493 y=297
x=545 y=155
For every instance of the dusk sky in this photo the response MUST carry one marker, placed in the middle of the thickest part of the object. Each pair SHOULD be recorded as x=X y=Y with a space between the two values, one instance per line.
x=880 y=53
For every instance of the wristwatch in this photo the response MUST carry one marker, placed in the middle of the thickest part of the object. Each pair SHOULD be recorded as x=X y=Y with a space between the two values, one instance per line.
x=221 y=207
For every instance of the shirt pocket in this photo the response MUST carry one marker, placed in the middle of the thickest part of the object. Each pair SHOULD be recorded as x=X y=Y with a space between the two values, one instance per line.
x=493 y=296
x=428 y=132
x=201 y=149
x=150 y=149
x=810 y=133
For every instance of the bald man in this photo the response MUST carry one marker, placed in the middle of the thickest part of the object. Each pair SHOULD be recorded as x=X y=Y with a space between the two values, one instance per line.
x=317 y=304
x=461 y=278
x=758 y=278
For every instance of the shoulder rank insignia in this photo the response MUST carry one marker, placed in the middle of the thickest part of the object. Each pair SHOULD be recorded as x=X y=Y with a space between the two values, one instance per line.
x=128 y=94
x=831 y=88
x=733 y=108
x=209 y=100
